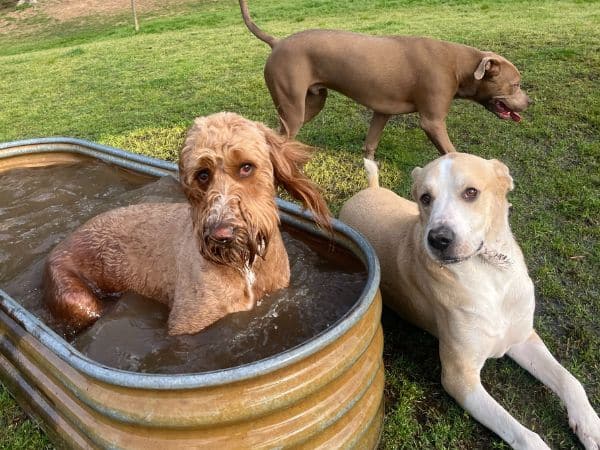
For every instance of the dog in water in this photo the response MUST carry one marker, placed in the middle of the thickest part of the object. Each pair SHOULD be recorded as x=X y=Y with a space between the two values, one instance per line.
x=450 y=265
x=216 y=254
x=389 y=75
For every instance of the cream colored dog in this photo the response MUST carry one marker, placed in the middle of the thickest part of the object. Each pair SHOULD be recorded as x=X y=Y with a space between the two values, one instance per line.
x=450 y=264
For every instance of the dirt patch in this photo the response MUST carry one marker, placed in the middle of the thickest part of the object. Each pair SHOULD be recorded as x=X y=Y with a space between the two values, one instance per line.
x=65 y=10
x=11 y=16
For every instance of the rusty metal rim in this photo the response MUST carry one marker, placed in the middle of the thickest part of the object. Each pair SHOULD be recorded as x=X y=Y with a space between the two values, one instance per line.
x=290 y=213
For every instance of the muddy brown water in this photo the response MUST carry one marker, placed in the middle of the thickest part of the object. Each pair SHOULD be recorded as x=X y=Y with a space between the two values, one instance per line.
x=40 y=206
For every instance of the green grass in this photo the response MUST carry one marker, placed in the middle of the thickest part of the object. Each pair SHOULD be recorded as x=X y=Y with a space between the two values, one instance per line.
x=100 y=81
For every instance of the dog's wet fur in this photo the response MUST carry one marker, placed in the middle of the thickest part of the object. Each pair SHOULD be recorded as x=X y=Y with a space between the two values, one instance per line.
x=216 y=254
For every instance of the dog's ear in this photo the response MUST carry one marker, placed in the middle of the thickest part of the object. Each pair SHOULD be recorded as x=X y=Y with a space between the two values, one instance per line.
x=186 y=162
x=489 y=65
x=288 y=158
x=503 y=174
x=415 y=176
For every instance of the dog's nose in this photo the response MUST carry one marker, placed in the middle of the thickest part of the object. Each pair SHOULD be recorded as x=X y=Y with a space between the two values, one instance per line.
x=222 y=233
x=440 y=238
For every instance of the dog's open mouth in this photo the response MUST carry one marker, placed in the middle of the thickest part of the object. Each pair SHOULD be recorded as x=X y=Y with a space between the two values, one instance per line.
x=504 y=112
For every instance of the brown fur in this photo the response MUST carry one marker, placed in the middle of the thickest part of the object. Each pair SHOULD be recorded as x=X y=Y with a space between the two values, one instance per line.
x=215 y=255
x=387 y=74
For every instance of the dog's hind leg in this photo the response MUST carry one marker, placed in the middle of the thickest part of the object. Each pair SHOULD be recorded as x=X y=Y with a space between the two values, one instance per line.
x=69 y=297
x=461 y=379
x=289 y=100
x=291 y=117
x=535 y=357
x=378 y=122
x=314 y=103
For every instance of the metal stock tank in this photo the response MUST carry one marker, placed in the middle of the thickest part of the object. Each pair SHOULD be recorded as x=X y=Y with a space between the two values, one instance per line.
x=324 y=393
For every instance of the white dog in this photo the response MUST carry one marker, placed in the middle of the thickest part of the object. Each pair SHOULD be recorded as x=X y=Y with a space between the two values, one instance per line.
x=450 y=265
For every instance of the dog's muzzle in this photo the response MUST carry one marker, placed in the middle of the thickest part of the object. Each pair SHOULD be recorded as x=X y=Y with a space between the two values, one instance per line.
x=221 y=234
x=231 y=245
x=507 y=109
x=440 y=238
x=443 y=246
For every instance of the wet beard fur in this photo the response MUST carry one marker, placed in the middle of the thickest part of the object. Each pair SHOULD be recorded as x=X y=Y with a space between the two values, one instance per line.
x=239 y=253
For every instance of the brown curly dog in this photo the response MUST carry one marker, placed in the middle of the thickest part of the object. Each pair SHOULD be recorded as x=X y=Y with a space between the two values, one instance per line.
x=215 y=255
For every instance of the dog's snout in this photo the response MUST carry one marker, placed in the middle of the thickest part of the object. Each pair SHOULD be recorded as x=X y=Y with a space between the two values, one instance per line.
x=440 y=238
x=221 y=233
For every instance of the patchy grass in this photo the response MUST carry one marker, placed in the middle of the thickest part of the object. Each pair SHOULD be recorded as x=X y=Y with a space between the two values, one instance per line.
x=96 y=79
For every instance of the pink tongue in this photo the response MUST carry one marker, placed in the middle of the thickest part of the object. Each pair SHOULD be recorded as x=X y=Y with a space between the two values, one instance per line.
x=515 y=116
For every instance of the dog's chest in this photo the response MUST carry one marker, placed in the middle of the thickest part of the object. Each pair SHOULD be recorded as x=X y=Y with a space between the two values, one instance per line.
x=496 y=308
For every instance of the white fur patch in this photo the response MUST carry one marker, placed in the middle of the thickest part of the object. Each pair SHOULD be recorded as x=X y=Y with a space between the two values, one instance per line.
x=450 y=210
x=372 y=172
x=250 y=280
x=250 y=275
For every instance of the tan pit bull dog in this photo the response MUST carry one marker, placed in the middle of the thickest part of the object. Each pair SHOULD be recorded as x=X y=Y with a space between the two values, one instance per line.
x=450 y=265
x=387 y=74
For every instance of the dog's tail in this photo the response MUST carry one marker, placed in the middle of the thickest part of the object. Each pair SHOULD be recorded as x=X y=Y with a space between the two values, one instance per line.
x=372 y=172
x=271 y=40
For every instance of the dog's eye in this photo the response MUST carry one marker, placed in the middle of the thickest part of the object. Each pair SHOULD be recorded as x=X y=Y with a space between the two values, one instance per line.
x=425 y=199
x=246 y=169
x=203 y=175
x=470 y=194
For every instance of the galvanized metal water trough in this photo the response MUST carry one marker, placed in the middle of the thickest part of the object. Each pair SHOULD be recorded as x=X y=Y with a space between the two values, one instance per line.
x=325 y=393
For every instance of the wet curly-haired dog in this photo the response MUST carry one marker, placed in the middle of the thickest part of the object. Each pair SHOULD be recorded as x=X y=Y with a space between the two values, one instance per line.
x=217 y=254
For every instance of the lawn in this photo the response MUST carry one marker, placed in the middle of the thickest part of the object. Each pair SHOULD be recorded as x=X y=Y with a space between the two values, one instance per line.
x=94 y=78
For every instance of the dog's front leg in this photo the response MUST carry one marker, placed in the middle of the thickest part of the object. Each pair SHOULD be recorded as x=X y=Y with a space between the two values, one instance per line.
x=435 y=128
x=461 y=379
x=201 y=301
x=535 y=357
x=378 y=122
x=193 y=309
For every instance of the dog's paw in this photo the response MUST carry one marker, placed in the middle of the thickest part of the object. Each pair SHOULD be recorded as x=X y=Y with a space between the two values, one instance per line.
x=586 y=426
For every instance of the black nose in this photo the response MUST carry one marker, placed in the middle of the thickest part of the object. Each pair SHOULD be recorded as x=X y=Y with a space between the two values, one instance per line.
x=440 y=238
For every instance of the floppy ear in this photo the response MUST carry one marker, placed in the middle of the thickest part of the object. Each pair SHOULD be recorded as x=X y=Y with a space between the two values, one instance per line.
x=415 y=176
x=489 y=65
x=185 y=161
x=288 y=158
x=503 y=174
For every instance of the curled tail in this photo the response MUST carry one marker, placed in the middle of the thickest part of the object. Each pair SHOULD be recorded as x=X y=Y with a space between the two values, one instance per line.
x=372 y=172
x=271 y=40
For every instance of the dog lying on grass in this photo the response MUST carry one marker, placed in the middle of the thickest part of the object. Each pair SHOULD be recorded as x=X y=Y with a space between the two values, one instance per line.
x=215 y=255
x=450 y=265
x=387 y=74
